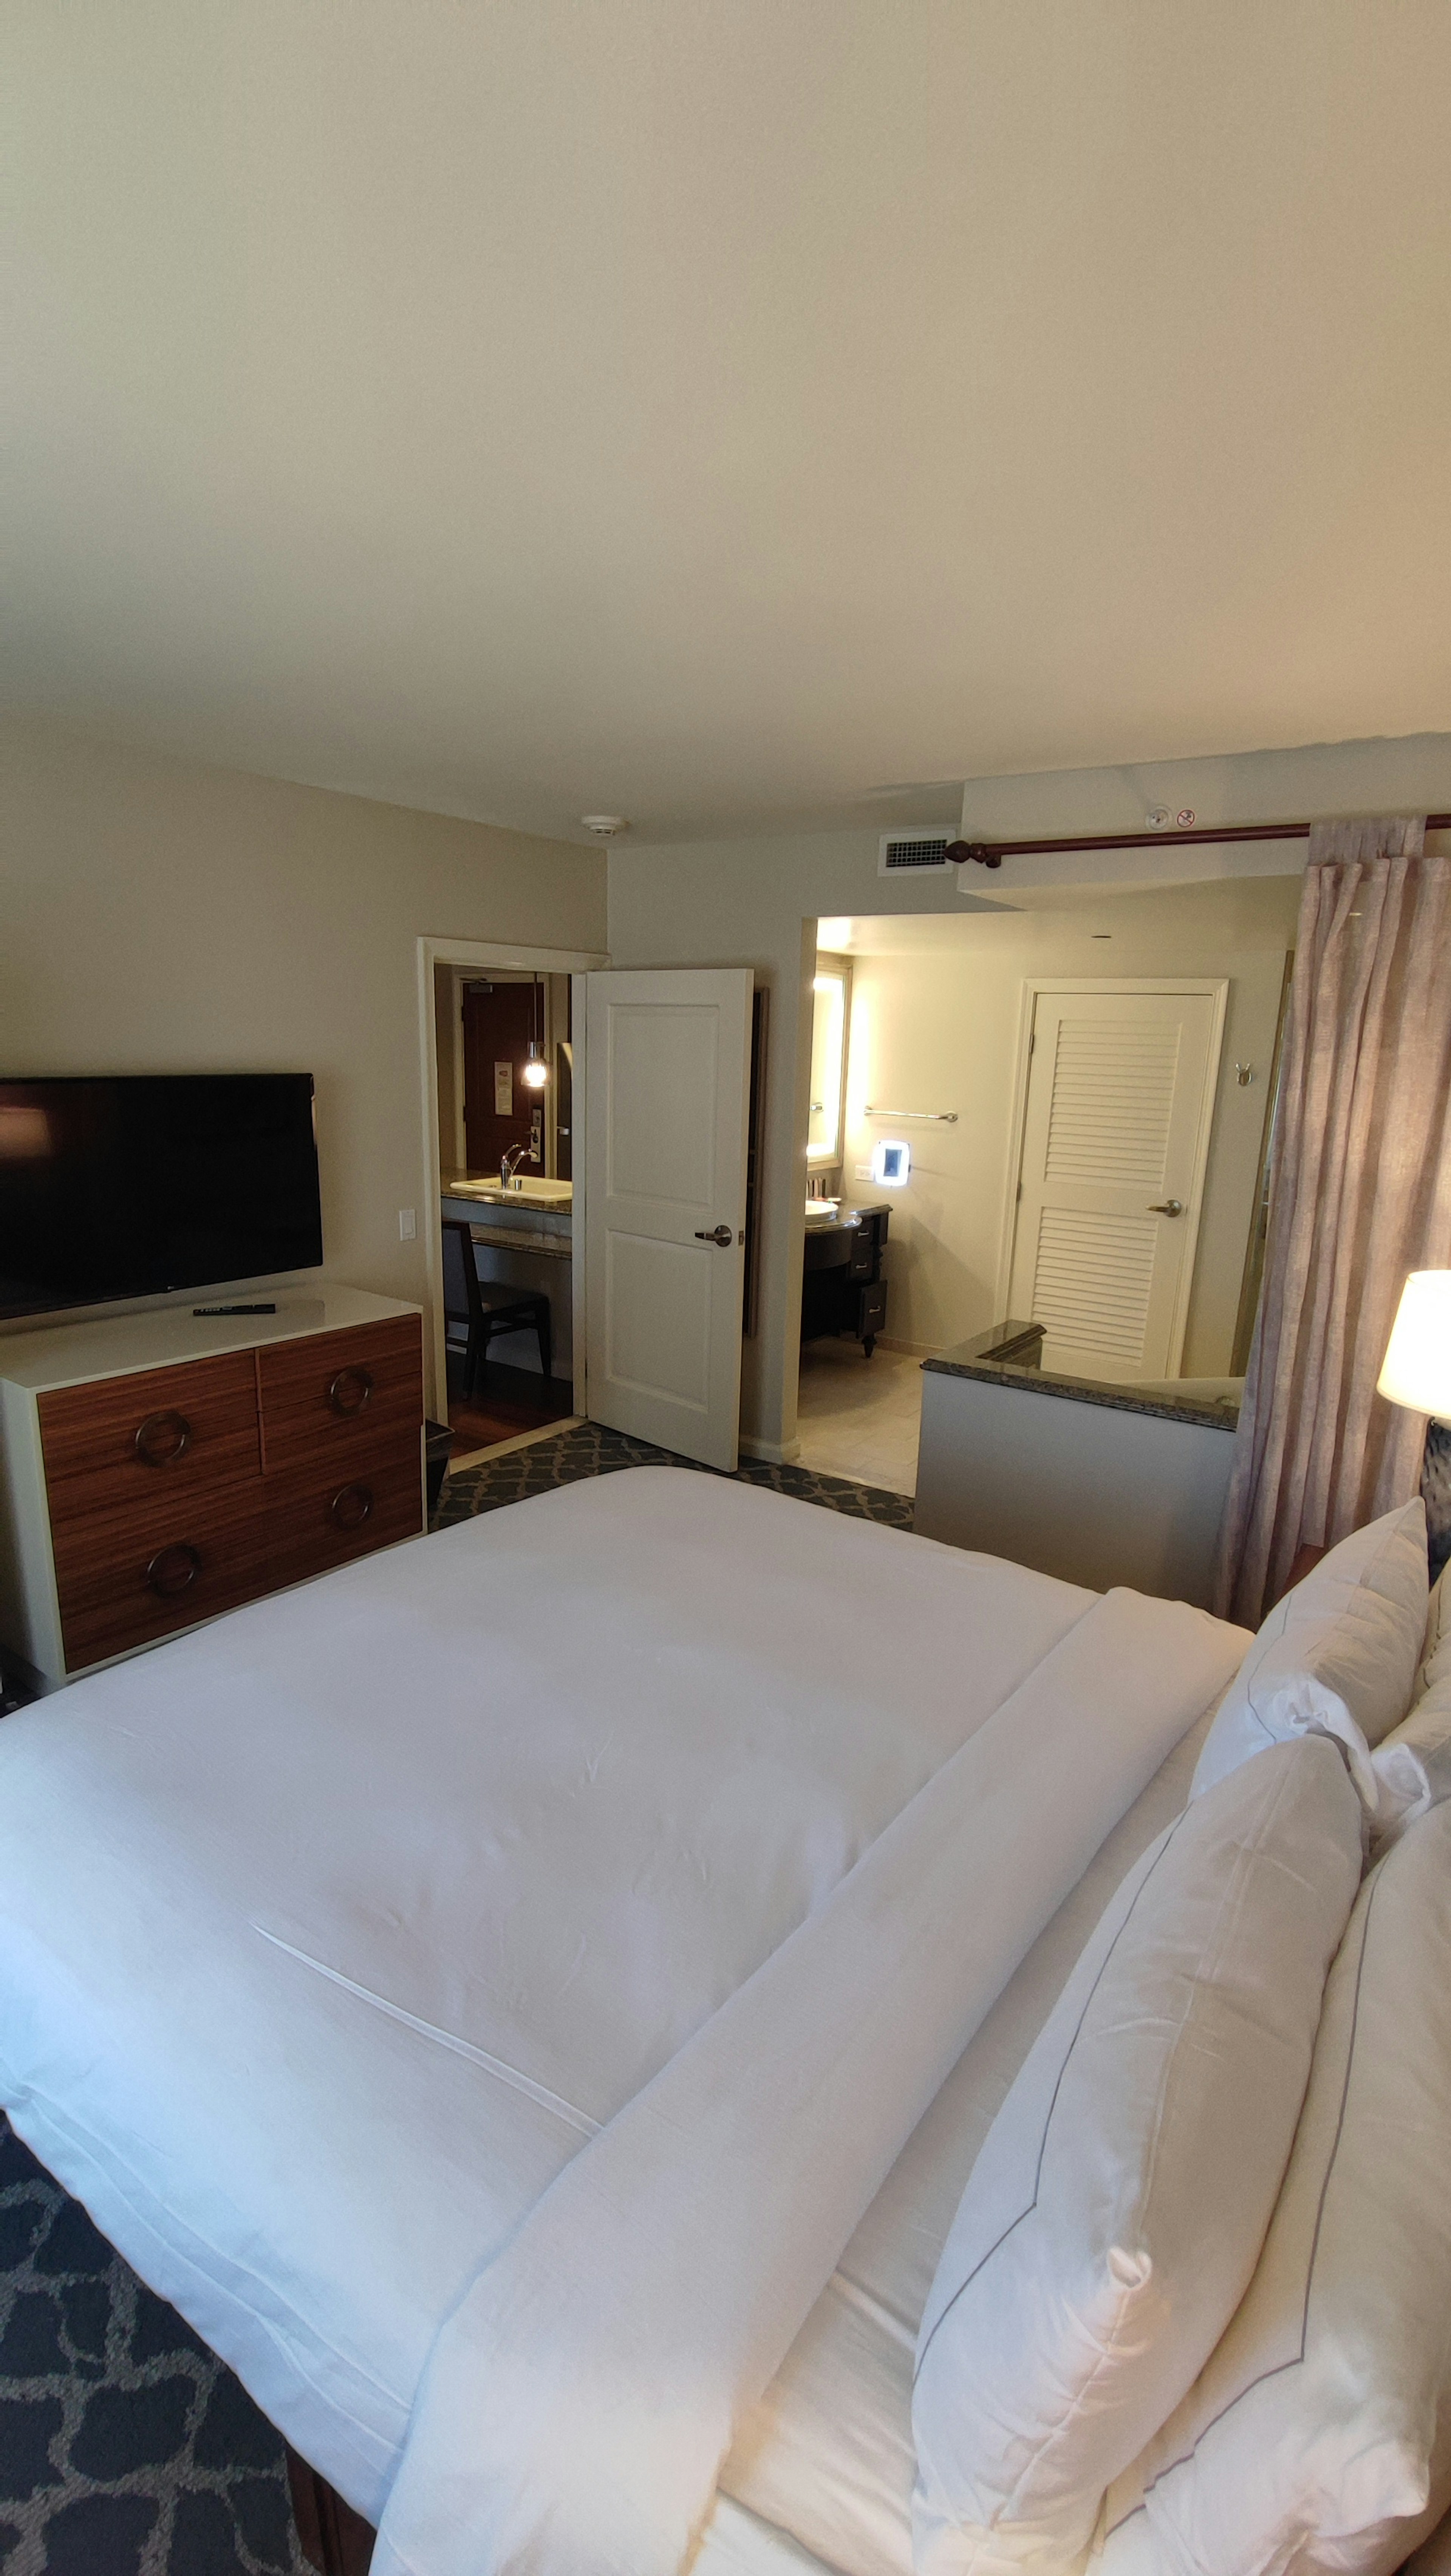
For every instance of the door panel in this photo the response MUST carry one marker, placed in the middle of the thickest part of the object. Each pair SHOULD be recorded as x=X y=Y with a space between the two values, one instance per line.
x=667 y=1077
x=1121 y=1084
x=658 y=1302
x=664 y=1071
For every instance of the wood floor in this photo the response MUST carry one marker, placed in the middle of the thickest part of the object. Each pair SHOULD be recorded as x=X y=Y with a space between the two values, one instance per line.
x=505 y=1402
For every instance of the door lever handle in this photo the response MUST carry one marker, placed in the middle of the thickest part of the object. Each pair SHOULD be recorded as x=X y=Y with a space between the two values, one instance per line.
x=1166 y=1207
x=721 y=1234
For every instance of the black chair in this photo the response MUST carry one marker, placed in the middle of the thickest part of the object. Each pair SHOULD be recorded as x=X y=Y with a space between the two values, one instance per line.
x=482 y=1309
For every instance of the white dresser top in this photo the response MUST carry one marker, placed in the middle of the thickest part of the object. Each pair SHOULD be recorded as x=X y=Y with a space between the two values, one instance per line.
x=117 y=1346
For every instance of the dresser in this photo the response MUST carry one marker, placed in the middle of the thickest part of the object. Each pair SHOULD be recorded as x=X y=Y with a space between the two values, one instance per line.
x=156 y=1469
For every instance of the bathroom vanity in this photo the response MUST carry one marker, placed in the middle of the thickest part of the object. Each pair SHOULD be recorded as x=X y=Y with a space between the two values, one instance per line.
x=523 y=1238
x=843 y=1279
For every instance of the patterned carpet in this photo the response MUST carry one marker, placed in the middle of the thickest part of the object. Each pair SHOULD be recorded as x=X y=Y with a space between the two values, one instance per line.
x=590 y=1450
x=126 y=2449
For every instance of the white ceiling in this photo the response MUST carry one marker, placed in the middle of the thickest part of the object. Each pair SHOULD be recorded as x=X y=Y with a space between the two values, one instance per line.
x=722 y=414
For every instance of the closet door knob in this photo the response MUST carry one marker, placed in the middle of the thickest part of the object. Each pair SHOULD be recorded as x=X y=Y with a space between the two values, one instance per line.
x=163 y=1438
x=350 y=1390
x=720 y=1234
x=172 y=1571
x=1167 y=1207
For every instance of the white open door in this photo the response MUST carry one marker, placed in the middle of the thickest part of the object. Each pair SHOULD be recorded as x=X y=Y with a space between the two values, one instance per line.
x=1120 y=1100
x=667 y=1084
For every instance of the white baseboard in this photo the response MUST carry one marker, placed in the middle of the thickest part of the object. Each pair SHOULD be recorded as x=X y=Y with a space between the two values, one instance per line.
x=774 y=1453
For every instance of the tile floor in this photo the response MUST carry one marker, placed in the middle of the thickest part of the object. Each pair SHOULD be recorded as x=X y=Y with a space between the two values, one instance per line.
x=858 y=1417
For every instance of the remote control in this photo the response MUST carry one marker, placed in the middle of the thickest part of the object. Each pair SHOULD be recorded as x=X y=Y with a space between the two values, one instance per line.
x=270 y=1309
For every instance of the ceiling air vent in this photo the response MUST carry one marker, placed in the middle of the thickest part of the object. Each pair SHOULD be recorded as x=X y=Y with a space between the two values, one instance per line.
x=918 y=852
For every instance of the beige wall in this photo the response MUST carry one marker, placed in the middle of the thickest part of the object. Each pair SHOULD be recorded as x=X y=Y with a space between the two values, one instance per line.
x=157 y=916
x=755 y=903
x=941 y=1032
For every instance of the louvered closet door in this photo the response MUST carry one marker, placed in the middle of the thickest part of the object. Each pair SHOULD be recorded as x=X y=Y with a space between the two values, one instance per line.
x=1119 y=1090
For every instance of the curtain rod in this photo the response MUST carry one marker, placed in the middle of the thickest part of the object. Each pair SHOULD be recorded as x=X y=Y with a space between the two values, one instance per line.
x=991 y=854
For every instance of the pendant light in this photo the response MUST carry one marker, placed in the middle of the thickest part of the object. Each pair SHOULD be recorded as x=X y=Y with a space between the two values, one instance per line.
x=535 y=1071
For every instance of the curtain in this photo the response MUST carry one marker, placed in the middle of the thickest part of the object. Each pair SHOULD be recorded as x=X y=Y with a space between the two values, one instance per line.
x=1360 y=1195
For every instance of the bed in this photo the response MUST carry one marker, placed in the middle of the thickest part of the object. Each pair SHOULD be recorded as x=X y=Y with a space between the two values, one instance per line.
x=487 y=1989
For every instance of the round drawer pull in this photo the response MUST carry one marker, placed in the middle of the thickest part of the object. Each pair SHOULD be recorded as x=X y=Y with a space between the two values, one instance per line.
x=162 y=1439
x=173 y=1570
x=351 y=1507
x=350 y=1390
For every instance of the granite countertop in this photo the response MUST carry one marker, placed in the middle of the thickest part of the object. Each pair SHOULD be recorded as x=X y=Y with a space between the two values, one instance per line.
x=846 y=1212
x=972 y=1359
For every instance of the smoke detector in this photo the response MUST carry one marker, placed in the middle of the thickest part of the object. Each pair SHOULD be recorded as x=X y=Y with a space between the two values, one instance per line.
x=604 y=826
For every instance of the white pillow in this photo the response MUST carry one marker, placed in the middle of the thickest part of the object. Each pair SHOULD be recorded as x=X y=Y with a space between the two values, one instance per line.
x=1337 y=1656
x=1411 y=1767
x=1117 y=2208
x=1319 y=2435
x=1437 y=1666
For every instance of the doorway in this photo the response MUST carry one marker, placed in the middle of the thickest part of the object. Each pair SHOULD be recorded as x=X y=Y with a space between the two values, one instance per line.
x=959 y=1031
x=661 y=1239
x=497 y=1063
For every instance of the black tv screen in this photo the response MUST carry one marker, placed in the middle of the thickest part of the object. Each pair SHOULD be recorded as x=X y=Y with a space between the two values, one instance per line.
x=127 y=1185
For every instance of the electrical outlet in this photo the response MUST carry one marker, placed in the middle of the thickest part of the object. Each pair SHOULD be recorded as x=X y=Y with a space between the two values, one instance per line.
x=407 y=1225
x=861 y=1171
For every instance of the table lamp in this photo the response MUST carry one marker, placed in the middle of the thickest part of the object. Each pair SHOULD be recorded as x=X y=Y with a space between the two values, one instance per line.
x=1417 y=1373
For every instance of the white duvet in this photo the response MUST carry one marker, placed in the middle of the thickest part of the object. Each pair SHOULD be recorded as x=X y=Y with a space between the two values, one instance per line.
x=335 y=1936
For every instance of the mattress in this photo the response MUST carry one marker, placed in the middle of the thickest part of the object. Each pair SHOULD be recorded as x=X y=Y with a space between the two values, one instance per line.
x=341 y=1923
x=822 y=2469
x=371 y=1960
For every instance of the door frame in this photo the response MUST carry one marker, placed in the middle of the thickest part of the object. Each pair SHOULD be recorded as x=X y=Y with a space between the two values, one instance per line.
x=1215 y=988
x=481 y=953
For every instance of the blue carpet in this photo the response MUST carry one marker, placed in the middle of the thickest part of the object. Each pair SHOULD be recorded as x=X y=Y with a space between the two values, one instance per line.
x=125 y=2447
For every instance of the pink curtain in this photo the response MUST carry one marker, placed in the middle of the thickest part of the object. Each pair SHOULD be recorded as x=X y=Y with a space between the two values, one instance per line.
x=1361 y=1194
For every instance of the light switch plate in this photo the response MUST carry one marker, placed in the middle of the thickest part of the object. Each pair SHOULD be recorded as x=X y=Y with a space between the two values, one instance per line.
x=407 y=1225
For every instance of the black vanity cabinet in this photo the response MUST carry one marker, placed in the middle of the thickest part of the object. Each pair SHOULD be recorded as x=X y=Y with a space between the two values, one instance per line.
x=843 y=1282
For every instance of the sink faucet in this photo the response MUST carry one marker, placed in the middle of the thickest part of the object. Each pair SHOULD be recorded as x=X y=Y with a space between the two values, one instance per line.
x=514 y=1155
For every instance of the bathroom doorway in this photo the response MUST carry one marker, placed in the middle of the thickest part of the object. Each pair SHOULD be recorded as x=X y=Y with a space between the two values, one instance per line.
x=498 y=1076
x=1006 y=1079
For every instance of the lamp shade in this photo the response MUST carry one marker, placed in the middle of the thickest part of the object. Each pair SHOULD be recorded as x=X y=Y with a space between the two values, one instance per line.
x=1417 y=1369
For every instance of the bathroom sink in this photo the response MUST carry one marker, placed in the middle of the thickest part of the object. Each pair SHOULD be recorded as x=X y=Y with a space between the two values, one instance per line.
x=520 y=1193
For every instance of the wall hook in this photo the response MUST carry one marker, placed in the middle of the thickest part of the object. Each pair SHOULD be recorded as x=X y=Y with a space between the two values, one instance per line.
x=1244 y=1075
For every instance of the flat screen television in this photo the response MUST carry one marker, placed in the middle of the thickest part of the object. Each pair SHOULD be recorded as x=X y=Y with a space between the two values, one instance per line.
x=127 y=1185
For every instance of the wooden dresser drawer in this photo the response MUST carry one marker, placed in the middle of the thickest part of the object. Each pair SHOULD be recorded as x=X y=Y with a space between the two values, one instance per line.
x=127 y=1577
x=129 y=1439
x=333 y=1398
x=321 y=1521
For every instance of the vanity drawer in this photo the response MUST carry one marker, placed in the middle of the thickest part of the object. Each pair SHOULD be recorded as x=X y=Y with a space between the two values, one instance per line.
x=372 y=1501
x=127 y=1577
x=327 y=1400
x=128 y=1440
